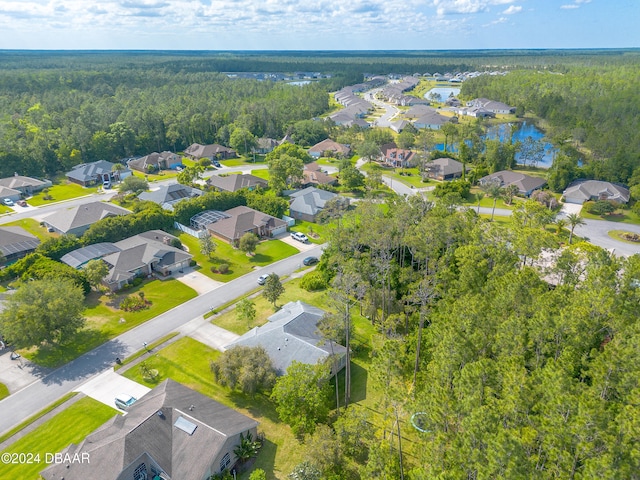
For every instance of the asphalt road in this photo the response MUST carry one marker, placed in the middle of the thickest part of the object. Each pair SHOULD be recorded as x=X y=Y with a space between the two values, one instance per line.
x=38 y=395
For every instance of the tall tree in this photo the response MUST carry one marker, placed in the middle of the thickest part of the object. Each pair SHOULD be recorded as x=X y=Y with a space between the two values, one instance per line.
x=95 y=271
x=272 y=289
x=574 y=221
x=43 y=311
x=207 y=246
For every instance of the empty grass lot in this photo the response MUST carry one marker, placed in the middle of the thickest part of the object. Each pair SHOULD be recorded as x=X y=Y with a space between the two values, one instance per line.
x=267 y=252
x=103 y=320
x=61 y=191
x=69 y=426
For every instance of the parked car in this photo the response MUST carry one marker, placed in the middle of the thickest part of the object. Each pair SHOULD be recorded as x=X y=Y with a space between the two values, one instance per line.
x=8 y=202
x=301 y=237
x=106 y=184
x=22 y=203
x=124 y=401
x=216 y=163
x=263 y=279
x=310 y=261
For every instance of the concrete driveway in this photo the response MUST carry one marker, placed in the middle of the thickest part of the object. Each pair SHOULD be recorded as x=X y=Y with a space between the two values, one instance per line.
x=107 y=385
x=196 y=280
x=302 y=247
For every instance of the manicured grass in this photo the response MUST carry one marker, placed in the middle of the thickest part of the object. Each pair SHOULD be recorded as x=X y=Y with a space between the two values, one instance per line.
x=267 y=252
x=472 y=201
x=61 y=191
x=33 y=418
x=5 y=209
x=153 y=177
x=32 y=226
x=104 y=320
x=69 y=426
x=617 y=234
x=4 y=391
x=619 y=216
x=261 y=173
x=242 y=161
x=264 y=309
x=316 y=232
x=187 y=361
x=143 y=351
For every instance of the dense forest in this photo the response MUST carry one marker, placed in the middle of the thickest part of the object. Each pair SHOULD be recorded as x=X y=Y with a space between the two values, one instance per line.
x=591 y=112
x=517 y=369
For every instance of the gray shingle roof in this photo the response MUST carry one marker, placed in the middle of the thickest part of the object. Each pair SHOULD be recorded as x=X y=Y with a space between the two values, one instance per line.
x=15 y=240
x=242 y=220
x=18 y=181
x=525 y=183
x=233 y=183
x=442 y=167
x=587 y=189
x=88 y=171
x=143 y=434
x=68 y=219
x=291 y=334
x=81 y=256
x=310 y=200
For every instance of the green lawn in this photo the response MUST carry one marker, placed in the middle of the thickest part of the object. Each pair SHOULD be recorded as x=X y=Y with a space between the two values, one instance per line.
x=69 y=426
x=187 y=361
x=4 y=391
x=267 y=252
x=618 y=235
x=317 y=232
x=264 y=309
x=61 y=191
x=153 y=177
x=619 y=216
x=104 y=320
x=261 y=173
x=32 y=226
x=472 y=201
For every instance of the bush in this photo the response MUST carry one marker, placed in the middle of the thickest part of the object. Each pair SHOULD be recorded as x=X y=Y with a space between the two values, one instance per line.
x=313 y=281
x=223 y=268
x=192 y=263
x=134 y=303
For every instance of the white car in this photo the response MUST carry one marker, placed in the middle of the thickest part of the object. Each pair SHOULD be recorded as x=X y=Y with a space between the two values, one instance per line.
x=301 y=237
x=124 y=401
x=8 y=202
x=263 y=279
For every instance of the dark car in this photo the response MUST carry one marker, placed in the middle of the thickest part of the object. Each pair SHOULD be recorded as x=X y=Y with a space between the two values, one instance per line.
x=310 y=261
x=216 y=164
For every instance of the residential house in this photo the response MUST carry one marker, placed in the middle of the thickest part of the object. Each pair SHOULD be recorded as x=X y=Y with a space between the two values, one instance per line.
x=585 y=190
x=79 y=257
x=156 y=161
x=212 y=152
x=77 y=220
x=15 y=243
x=27 y=186
x=491 y=105
x=265 y=145
x=233 y=182
x=433 y=120
x=306 y=204
x=526 y=184
x=396 y=157
x=142 y=255
x=173 y=432
x=475 y=112
x=168 y=195
x=312 y=174
x=10 y=194
x=93 y=173
x=444 y=169
x=291 y=334
x=241 y=220
x=335 y=149
x=399 y=125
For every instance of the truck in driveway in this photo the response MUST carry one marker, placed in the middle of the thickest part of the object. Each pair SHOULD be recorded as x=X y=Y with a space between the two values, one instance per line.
x=301 y=237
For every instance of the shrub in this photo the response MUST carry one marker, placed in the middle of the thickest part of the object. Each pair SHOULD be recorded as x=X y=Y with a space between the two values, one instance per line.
x=313 y=281
x=136 y=281
x=223 y=268
x=192 y=263
x=134 y=303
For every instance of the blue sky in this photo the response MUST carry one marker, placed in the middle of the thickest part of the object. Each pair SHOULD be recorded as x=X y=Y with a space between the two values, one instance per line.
x=318 y=24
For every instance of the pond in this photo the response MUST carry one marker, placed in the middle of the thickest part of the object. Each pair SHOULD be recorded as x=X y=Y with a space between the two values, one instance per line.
x=299 y=83
x=443 y=92
x=502 y=131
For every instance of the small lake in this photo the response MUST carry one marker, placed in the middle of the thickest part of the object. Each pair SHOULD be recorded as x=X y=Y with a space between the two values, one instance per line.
x=444 y=92
x=299 y=83
x=502 y=131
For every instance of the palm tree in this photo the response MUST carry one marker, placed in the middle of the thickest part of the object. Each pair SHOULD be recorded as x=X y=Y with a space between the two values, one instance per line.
x=574 y=220
x=247 y=448
x=479 y=197
x=560 y=224
x=494 y=190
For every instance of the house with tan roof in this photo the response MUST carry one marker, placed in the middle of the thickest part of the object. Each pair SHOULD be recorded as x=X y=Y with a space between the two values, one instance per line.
x=173 y=432
x=155 y=161
x=312 y=174
x=236 y=222
x=327 y=145
x=444 y=169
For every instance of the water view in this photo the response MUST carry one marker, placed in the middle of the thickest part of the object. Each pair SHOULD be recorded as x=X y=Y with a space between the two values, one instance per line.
x=502 y=131
x=442 y=92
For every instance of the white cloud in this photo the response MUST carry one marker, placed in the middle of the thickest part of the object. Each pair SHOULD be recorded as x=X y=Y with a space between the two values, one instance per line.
x=447 y=7
x=512 y=9
x=576 y=4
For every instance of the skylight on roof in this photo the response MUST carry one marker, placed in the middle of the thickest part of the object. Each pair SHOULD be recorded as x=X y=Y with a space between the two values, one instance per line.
x=185 y=425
